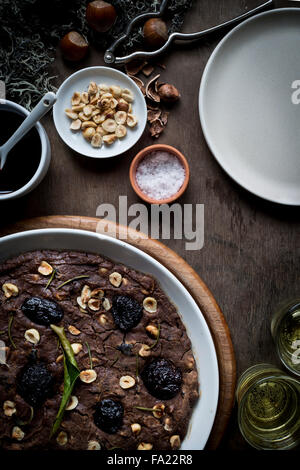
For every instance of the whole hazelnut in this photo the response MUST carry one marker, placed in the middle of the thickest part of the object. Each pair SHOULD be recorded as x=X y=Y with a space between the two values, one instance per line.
x=73 y=46
x=101 y=15
x=155 y=33
x=168 y=93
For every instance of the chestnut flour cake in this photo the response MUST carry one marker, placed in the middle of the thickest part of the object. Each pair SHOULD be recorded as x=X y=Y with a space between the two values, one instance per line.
x=113 y=333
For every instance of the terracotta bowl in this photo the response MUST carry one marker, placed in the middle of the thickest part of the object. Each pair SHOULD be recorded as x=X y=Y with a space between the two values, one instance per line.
x=142 y=154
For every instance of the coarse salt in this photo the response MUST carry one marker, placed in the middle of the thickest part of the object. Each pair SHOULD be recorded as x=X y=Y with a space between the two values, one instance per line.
x=160 y=175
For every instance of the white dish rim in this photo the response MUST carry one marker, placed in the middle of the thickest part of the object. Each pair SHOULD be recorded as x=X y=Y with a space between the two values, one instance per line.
x=209 y=139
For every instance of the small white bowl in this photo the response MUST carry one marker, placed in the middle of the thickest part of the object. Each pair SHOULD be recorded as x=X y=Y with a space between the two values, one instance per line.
x=79 y=81
x=45 y=153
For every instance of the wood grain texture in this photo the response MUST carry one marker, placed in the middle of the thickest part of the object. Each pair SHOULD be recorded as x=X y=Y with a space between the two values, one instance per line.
x=189 y=278
x=251 y=255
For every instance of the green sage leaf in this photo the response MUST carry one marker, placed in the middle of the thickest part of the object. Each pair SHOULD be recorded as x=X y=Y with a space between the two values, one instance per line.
x=71 y=374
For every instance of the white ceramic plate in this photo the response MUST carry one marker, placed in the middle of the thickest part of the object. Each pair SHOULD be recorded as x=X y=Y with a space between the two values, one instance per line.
x=197 y=329
x=246 y=111
x=79 y=81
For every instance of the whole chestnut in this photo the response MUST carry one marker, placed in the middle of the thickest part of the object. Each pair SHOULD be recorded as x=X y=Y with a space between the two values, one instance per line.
x=155 y=33
x=73 y=46
x=168 y=93
x=100 y=15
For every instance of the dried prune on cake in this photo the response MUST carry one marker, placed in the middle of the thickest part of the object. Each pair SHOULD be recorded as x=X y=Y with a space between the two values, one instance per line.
x=109 y=415
x=162 y=379
x=126 y=312
x=42 y=311
x=35 y=383
x=126 y=349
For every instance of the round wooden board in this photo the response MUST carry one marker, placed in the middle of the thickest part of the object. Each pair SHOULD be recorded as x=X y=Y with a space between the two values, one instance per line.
x=188 y=277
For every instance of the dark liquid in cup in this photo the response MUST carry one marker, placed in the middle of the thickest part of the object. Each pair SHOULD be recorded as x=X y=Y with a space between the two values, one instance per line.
x=23 y=160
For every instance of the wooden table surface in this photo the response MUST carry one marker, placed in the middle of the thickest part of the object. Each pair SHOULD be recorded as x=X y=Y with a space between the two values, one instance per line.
x=250 y=258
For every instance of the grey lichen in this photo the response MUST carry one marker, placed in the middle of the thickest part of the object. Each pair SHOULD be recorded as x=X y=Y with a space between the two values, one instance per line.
x=30 y=31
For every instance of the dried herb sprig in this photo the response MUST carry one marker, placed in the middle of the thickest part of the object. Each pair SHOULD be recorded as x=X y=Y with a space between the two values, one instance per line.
x=26 y=423
x=71 y=280
x=90 y=354
x=10 y=324
x=143 y=408
x=115 y=360
x=137 y=373
x=157 y=338
x=51 y=279
x=71 y=374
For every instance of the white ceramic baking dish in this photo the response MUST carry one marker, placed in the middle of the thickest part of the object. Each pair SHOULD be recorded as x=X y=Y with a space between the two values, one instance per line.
x=197 y=329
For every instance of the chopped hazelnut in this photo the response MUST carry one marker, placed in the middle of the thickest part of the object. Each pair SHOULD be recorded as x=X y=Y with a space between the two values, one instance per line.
x=76 y=98
x=87 y=124
x=45 y=268
x=59 y=358
x=96 y=140
x=127 y=95
x=131 y=120
x=109 y=139
x=120 y=117
x=121 y=131
x=109 y=125
x=127 y=382
x=85 y=97
x=175 y=441
x=71 y=114
x=115 y=279
x=77 y=347
x=93 y=445
x=145 y=351
x=62 y=438
x=73 y=402
x=73 y=330
x=10 y=290
x=116 y=90
x=32 y=336
x=152 y=330
x=78 y=107
x=9 y=408
x=88 y=376
x=145 y=446
x=103 y=319
x=106 y=304
x=167 y=425
x=158 y=410
x=85 y=294
x=150 y=304
x=88 y=133
x=17 y=433
x=136 y=428
x=87 y=110
x=93 y=88
x=97 y=293
x=94 y=304
x=76 y=125
x=80 y=303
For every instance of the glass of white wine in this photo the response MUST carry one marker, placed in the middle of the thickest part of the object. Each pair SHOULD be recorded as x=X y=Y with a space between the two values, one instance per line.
x=269 y=408
x=285 y=329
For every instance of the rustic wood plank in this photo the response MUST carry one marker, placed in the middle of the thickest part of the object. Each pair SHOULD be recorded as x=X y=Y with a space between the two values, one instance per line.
x=251 y=255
